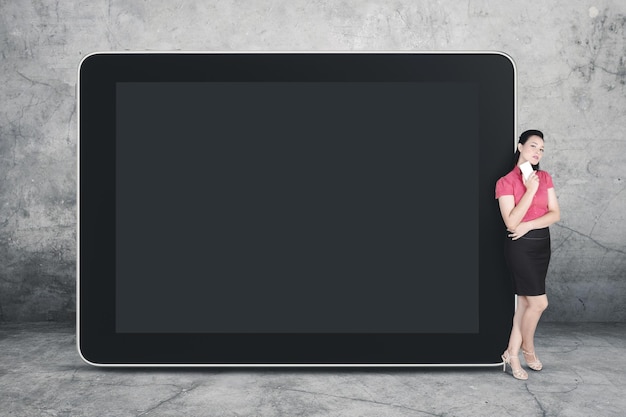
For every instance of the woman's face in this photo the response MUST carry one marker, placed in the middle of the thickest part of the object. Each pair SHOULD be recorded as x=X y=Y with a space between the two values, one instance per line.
x=531 y=151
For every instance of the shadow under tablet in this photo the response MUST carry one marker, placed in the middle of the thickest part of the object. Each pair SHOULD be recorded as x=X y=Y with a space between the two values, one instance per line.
x=293 y=208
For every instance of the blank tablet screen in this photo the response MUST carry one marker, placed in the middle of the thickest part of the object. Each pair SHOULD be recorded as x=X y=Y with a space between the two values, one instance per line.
x=296 y=207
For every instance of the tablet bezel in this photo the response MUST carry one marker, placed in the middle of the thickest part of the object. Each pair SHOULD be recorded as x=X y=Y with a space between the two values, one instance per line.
x=100 y=344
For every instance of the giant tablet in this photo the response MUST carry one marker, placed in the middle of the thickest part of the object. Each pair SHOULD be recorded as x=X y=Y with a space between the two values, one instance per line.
x=308 y=209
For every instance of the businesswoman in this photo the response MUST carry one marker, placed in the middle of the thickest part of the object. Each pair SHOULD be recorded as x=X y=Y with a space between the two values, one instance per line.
x=528 y=206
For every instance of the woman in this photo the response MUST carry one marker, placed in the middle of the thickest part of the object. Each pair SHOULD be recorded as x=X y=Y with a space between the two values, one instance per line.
x=528 y=206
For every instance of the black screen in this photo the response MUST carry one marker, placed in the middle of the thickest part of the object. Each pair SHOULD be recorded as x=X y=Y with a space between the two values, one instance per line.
x=297 y=207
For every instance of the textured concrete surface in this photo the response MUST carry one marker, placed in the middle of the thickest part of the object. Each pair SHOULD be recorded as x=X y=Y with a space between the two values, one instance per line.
x=572 y=82
x=583 y=375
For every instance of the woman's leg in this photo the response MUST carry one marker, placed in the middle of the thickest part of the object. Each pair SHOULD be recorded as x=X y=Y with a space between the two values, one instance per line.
x=516 y=338
x=536 y=305
x=530 y=319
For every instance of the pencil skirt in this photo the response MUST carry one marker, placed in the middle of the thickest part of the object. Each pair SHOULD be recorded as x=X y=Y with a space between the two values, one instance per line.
x=528 y=258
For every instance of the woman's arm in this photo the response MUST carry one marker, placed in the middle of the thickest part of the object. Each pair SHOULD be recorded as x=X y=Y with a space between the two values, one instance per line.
x=513 y=214
x=552 y=216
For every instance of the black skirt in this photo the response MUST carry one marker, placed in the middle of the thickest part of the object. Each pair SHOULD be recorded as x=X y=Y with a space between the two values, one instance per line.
x=528 y=258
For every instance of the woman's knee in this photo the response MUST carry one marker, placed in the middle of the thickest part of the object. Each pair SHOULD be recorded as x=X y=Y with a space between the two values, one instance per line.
x=538 y=303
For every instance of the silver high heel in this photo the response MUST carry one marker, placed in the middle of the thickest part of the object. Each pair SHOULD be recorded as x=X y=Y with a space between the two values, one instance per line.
x=535 y=365
x=517 y=373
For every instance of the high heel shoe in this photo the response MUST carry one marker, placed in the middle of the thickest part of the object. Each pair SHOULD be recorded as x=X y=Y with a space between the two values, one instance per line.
x=517 y=373
x=535 y=365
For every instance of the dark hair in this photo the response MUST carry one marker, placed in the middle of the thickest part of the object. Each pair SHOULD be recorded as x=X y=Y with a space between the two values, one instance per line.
x=522 y=139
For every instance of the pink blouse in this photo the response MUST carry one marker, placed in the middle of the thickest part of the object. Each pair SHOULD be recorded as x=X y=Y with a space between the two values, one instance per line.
x=512 y=184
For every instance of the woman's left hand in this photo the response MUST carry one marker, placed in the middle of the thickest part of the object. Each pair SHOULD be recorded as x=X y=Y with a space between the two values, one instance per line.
x=519 y=231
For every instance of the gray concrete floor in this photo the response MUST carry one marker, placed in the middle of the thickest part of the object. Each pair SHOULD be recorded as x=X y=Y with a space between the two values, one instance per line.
x=584 y=374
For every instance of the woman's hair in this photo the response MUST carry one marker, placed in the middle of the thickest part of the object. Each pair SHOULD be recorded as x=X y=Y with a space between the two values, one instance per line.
x=522 y=139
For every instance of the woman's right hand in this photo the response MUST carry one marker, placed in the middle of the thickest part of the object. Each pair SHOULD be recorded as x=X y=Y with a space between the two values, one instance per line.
x=532 y=183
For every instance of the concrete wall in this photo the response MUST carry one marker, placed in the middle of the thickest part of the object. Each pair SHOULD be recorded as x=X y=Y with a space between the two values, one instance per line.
x=571 y=77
